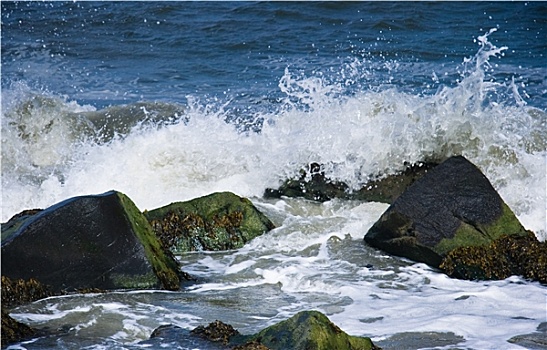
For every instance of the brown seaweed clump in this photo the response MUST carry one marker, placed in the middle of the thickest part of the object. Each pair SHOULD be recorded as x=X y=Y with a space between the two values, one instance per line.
x=15 y=293
x=21 y=291
x=192 y=232
x=13 y=331
x=216 y=332
x=506 y=256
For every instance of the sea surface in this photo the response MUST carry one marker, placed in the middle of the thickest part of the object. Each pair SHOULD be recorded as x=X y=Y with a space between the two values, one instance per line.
x=168 y=101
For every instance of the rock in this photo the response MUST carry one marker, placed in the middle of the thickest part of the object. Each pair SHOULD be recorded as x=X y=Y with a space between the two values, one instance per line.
x=170 y=336
x=252 y=345
x=16 y=221
x=314 y=185
x=310 y=330
x=13 y=331
x=219 y=221
x=306 y=330
x=216 y=332
x=101 y=241
x=452 y=206
x=506 y=256
x=536 y=340
x=19 y=292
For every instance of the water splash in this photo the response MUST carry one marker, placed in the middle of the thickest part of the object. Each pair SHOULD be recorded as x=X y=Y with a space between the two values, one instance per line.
x=48 y=153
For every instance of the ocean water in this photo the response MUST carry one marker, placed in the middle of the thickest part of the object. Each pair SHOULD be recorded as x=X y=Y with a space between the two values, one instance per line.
x=168 y=101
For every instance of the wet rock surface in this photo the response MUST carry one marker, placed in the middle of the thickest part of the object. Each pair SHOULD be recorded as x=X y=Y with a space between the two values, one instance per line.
x=305 y=330
x=310 y=330
x=312 y=184
x=99 y=241
x=451 y=207
x=216 y=332
x=536 y=340
x=220 y=221
x=13 y=331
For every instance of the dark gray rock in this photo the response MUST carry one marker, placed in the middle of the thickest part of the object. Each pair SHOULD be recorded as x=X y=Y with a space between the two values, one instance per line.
x=312 y=184
x=101 y=241
x=536 y=340
x=453 y=205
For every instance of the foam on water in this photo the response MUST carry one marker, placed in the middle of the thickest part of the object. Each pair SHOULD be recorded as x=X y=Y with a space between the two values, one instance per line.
x=315 y=258
x=324 y=265
x=49 y=155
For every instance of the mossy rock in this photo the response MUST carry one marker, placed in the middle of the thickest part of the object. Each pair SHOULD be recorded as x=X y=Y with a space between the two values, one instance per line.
x=100 y=241
x=219 y=221
x=310 y=330
x=453 y=206
x=304 y=331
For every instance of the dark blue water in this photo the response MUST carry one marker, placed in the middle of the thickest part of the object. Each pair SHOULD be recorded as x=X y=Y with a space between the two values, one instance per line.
x=105 y=53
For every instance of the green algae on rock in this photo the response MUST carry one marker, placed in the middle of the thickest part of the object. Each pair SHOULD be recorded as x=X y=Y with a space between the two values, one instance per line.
x=98 y=241
x=310 y=330
x=304 y=331
x=15 y=222
x=219 y=221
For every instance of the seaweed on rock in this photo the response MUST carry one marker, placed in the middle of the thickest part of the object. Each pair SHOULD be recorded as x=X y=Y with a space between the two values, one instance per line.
x=505 y=256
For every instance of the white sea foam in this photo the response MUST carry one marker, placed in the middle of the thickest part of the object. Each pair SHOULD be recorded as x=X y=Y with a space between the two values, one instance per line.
x=371 y=133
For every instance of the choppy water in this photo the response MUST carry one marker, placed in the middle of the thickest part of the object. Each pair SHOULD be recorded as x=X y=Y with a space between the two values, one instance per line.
x=167 y=101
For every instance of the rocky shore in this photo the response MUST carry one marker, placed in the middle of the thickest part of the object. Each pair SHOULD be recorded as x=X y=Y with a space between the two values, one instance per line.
x=447 y=215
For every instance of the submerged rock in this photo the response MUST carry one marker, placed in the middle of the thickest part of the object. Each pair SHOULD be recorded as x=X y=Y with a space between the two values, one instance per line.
x=310 y=330
x=314 y=185
x=536 y=340
x=216 y=332
x=305 y=330
x=219 y=221
x=101 y=241
x=452 y=207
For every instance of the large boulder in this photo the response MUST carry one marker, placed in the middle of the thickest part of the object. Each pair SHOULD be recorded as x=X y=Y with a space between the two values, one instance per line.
x=313 y=184
x=99 y=241
x=219 y=221
x=452 y=206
